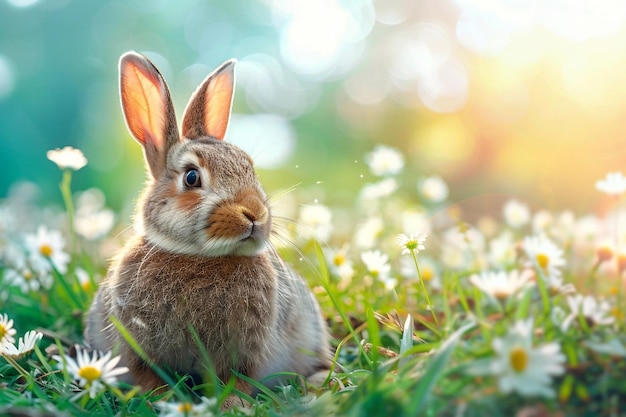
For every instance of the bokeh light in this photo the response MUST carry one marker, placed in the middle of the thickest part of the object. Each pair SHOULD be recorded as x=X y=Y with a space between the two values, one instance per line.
x=492 y=96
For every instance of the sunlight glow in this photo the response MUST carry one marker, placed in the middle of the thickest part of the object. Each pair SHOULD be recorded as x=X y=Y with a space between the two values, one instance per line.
x=268 y=138
x=22 y=3
x=315 y=36
x=7 y=77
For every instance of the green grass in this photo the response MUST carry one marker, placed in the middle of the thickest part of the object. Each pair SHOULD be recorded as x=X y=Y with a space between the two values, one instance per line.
x=434 y=364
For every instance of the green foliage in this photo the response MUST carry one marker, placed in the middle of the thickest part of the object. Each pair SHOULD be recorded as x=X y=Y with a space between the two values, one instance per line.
x=482 y=338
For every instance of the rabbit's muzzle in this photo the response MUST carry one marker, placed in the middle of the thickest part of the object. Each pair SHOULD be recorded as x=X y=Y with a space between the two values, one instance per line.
x=244 y=218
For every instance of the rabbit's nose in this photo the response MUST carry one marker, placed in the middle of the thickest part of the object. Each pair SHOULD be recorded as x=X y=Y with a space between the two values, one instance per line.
x=252 y=208
x=249 y=214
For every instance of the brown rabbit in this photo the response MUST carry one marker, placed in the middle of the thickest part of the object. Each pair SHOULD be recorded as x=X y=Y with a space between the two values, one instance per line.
x=201 y=258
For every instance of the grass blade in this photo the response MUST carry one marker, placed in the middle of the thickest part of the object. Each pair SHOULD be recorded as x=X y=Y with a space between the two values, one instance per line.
x=435 y=369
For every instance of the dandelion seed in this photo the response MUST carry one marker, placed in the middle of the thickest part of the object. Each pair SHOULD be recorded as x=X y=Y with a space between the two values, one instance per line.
x=385 y=160
x=520 y=367
x=6 y=330
x=67 y=158
x=414 y=243
x=613 y=184
x=25 y=345
x=95 y=373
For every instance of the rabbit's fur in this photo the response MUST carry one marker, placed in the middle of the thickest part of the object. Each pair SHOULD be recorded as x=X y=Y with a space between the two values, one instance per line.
x=201 y=258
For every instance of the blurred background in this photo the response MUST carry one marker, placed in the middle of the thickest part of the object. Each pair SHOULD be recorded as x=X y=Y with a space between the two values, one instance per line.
x=522 y=98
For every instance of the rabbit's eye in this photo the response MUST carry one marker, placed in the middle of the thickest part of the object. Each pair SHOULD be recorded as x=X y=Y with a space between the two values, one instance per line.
x=192 y=178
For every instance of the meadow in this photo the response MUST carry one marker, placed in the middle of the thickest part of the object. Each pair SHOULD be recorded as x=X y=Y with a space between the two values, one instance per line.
x=514 y=312
x=443 y=173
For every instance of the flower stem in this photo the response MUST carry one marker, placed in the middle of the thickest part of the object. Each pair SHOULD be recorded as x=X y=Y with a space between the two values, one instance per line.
x=543 y=290
x=419 y=275
x=66 y=193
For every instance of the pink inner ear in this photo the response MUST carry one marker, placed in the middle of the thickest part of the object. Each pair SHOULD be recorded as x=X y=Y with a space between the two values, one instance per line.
x=217 y=103
x=143 y=103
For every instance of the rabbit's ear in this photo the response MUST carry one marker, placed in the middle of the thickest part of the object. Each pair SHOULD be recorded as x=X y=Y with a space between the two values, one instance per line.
x=208 y=110
x=148 y=109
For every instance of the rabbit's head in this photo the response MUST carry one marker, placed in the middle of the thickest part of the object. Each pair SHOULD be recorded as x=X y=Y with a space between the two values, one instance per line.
x=203 y=197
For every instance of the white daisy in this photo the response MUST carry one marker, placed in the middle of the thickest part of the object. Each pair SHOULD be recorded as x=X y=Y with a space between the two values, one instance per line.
x=502 y=250
x=434 y=189
x=25 y=345
x=94 y=225
x=84 y=280
x=463 y=247
x=516 y=214
x=378 y=190
x=314 y=222
x=429 y=271
x=47 y=246
x=557 y=285
x=384 y=160
x=613 y=184
x=542 y=221
x=26 y=278
x=188 y=409
x=613 y=348
x=544 y=255
x=340 y=264
x=596 y=312
x=414 y=243
x=95 y=373
x=6 y=330
x=377 y=264
x=501 y=285
x=368 y=233
x=93 y=220
x=20 y=273
x=522 y=368
x=67 y=158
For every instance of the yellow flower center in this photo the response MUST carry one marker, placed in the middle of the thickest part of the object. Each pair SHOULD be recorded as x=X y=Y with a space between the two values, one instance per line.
x=543 y=260
x=28 y=275
x=90 y=373
x=411 y=245
x=45 y=250
x=3 y=331
x=339 y=260
x=614 y=291
x=427 y=274
x=501 y=294
x=185 y=407
x=518 y=358
x=615 y=311
x=86 y=286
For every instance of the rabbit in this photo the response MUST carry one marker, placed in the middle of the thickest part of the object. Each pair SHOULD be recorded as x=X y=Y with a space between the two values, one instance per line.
x=201 y=260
